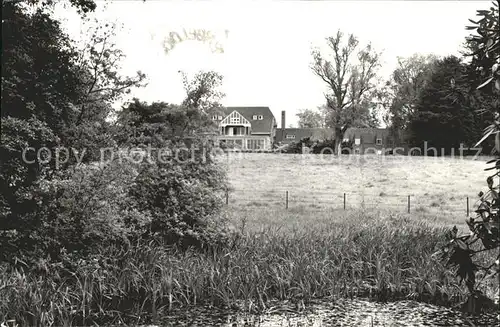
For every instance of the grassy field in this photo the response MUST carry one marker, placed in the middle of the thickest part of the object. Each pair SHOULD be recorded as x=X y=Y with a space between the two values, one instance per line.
x=438 y=187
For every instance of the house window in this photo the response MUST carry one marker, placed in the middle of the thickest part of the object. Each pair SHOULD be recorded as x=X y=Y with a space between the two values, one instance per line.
x=255 y=144
x=290 y=136
x=254 y=117
x=235 y=120
x=260 y=117
x=357 y=141
x=220 y=117
x=215 y=117
x=379 y=141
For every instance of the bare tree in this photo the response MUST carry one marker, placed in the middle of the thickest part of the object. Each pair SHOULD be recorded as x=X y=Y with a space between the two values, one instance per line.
x=350 y=74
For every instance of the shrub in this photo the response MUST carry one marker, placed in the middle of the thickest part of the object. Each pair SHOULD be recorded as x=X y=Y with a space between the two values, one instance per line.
x=183 y=197
x=77 y=210
x=327 y=146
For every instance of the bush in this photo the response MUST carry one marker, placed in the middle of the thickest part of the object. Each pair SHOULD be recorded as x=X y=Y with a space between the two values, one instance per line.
x=327 y=146
x=183 y=198
x=78 y=210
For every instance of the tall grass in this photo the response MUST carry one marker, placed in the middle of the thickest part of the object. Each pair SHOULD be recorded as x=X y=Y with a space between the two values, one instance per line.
x=385 y=258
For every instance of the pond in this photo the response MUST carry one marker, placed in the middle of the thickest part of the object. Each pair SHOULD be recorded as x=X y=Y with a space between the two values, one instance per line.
x=357 y=312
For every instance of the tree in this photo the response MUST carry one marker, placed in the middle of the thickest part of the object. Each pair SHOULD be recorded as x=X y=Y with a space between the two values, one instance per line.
x=179 y=188
x=350 y=75
x=403 y=89
x=203 y=97
x=101 y=85
x=443 y=115
x=51 y=97
x=310 y=119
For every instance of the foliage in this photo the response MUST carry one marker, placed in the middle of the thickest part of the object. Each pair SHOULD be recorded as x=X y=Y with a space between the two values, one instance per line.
x=140 y=123
x=349 y=75
x=403 y=90
x=444 y=115
x=202 y=91
x=310 y=119
x=48 y=100
x=347 y=147
x=184 y=201
x=485 y=47
x=374 y=256
x=461 y=251
x=60 y=98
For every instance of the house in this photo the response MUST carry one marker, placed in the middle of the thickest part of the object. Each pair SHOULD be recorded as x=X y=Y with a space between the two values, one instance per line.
x=289 y=135
x=246 y=128
x=364 y=140
x=368 y=140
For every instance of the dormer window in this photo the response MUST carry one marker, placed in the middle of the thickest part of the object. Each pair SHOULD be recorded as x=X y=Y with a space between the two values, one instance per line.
x=254 y=117
x=261 y=117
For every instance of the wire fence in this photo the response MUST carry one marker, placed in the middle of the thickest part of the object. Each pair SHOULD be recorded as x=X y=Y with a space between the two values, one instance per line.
x=322 y=200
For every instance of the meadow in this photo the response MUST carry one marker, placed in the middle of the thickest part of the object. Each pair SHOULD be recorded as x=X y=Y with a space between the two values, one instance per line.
x=438 y=187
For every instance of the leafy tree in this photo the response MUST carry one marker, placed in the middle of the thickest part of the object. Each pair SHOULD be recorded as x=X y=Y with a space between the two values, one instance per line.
x=350 y=75
x=310 y=119
x=202 y=91
x=180 y=184
x=46 y=103
x=403 y=89
x=444 y=116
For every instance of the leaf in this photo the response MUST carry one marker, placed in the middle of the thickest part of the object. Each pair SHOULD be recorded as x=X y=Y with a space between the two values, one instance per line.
x=489 y=181
x=461 y=244
x=485 y=83
x=485 y=137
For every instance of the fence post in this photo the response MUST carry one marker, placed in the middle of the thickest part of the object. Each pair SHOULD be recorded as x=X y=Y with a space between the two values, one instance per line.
x=286 y=200
x=408 y=204
x=344 y=201
x=467 y=206
x=227 y=196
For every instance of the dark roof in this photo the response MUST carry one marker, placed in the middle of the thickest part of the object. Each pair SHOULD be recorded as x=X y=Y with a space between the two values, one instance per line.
x=300 y=133
x=258 y=126
x=367 y=135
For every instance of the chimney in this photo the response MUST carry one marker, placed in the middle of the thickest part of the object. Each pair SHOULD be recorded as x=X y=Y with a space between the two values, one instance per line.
x=283 y=119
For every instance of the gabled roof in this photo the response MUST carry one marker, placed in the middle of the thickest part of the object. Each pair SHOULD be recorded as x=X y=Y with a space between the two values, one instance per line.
x=240 y=119
x=258 y=126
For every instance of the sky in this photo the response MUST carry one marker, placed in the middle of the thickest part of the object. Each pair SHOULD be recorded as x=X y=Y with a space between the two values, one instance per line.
x=267 y=44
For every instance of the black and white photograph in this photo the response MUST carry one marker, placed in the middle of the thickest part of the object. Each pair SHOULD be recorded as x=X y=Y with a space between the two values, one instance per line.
x=250 y=163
